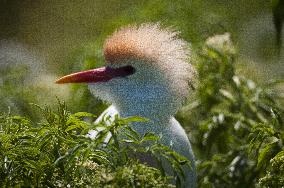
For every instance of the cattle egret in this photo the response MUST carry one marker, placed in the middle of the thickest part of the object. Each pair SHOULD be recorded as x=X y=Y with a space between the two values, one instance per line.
x=147 y=75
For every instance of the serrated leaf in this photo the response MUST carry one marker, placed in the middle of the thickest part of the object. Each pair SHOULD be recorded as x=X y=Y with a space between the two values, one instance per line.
x=149 y=136
x=72 y=127
x=266 y=153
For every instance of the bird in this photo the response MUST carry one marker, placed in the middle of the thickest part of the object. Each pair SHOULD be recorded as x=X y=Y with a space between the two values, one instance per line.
x=148 y=74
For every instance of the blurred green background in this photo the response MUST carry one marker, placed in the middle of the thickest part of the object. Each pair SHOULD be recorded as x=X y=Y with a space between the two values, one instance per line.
x=43 y=40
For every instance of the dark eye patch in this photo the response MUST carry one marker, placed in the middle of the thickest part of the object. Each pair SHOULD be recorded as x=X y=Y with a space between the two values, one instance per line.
x=121 y=71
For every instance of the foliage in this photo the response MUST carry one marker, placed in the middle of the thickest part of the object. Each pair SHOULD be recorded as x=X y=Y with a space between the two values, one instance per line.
x=267 y=140
x=238 y=132
x=57 y=153
x=235 y=125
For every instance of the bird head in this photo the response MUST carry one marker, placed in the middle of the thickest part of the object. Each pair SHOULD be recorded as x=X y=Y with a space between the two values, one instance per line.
x=146 y=67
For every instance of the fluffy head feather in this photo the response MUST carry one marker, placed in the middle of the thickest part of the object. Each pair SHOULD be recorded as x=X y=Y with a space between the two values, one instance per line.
x=161 y=47
x=148 y=42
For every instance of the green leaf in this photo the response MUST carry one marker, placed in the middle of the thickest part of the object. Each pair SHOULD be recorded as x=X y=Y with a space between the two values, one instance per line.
x=83 y=114
x=149 y=136
x=267 y=153
x=135 y=119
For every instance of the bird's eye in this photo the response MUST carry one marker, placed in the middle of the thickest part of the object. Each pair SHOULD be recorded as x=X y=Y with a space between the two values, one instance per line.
x=129 y=69
x=121 y=71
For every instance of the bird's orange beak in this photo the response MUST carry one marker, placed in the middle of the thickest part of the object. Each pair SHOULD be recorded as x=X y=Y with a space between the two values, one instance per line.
x=102 y=74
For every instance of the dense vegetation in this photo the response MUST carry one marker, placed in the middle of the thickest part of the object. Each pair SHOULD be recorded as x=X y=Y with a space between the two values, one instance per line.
x=234 y=119
x=236 y=127
x=57 y=153
x=238 y=130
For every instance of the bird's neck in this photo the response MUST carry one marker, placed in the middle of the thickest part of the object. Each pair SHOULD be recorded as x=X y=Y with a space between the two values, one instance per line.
x=156 y=122
x=154 y=101
x=155 y=112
